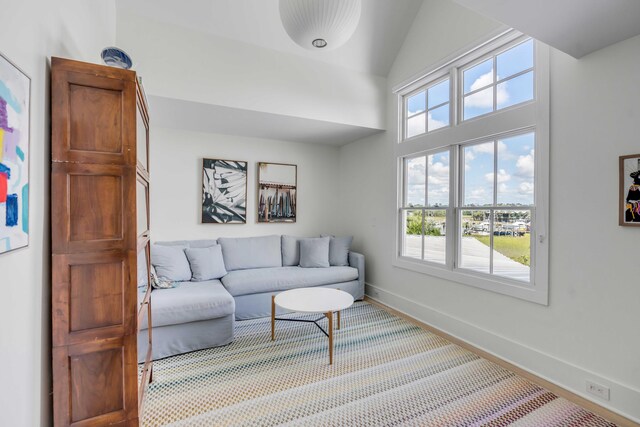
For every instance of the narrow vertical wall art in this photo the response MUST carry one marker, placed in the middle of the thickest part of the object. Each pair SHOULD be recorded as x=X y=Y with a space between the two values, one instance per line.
x=277 y=192
x=224 y=191
x=629 y=190
x=14 y=156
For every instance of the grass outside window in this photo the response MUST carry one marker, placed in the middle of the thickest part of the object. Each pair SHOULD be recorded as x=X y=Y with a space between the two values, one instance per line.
x=516 y=248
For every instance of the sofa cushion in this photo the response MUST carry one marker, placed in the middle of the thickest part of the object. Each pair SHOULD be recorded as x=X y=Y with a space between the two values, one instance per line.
x=314 y=252
x=290 y=250
x=243 y=282
x=202 y=243
x=206 y=263
x=170 y=262
x=189 y=302
x=339 y=249
x=251 y=252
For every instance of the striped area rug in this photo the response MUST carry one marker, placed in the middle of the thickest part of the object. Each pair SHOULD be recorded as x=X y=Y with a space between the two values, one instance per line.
x=386 y=372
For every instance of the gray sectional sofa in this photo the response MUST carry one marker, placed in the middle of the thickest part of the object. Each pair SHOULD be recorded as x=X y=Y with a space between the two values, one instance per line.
x=198 y=314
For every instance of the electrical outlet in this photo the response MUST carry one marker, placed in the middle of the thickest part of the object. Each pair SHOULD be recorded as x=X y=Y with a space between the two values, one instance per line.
x=598 y=390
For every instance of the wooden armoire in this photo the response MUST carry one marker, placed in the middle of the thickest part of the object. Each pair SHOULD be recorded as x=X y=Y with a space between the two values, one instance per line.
x=99 y=243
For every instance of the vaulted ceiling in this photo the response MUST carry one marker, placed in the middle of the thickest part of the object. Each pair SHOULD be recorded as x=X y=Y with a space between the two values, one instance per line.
x=228 y=66
x=372 y=49
x=576 y=27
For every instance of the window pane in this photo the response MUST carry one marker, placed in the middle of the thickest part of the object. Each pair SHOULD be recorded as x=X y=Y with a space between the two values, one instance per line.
x=479 y=76
x=434 y=236
x=438 y=179
x=439 y=94
x=416 y=103
x=439 y=117
x=478 y=104
x=514 y=91
x=412 y=238
x=512 y=244
x=514 y=60
x=416 y=125
x=415 y=181
x=516 y=166
x=478 y=174
x=475 y=252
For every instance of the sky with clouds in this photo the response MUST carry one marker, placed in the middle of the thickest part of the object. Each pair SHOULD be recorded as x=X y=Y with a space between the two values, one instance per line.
x=431 y=173
x=515 y=170
x=514 y=178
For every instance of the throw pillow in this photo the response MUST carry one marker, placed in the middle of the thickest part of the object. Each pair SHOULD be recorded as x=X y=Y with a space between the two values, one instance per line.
x=290 y=250
x=244 y=253
x=206 y=263
x=314 y=252
x=171 y=262
x=339 y=250
x=143 y=278
x=160 y=282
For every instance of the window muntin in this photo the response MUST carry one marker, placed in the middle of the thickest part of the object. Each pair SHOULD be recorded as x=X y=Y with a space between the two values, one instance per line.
x=425 y=205
x=497 y=176
x=503 y=80
x=428 y=109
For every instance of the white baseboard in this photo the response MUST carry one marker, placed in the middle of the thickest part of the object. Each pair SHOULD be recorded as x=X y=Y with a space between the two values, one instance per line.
x=625 y=400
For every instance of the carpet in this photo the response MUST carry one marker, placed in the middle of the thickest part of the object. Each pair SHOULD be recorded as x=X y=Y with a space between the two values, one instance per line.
x=387 y=371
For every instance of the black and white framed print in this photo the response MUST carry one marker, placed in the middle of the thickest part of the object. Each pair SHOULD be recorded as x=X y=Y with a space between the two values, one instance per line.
x=224 y=191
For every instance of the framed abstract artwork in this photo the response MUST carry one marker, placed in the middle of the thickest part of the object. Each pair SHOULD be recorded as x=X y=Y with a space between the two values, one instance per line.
x=629 y=204
x=15 y=87
x=277 y=192
x=224 y=191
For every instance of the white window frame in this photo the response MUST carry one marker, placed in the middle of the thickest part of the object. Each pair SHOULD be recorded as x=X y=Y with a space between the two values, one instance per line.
x=529 y=116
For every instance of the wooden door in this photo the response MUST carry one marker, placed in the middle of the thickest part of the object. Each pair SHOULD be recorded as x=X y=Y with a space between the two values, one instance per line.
x=94 y=244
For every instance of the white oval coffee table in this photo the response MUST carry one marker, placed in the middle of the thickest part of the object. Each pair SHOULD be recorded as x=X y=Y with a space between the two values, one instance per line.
x=312 y=300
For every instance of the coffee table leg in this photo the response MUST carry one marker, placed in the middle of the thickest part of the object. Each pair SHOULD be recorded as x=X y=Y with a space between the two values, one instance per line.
x=273 y=317
x=338 y=320
x=330 y=318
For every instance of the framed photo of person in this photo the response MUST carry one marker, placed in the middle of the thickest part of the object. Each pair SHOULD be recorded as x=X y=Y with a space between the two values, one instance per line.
x=629 y=190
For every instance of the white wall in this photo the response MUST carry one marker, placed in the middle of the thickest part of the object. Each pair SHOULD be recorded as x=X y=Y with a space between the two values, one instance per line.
x=590 y=328
x=31 y=32
x=176 y=184
x=213 y=70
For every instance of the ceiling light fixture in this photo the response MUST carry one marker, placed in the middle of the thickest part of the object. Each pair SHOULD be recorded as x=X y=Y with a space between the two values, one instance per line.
x=316 y=24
